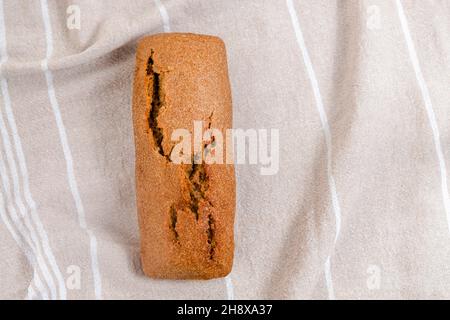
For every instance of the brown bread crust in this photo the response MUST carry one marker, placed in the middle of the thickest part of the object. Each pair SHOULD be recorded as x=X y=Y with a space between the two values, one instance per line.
x=186 y=211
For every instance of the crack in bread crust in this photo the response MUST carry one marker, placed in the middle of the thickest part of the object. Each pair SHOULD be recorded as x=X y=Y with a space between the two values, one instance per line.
x=196 y=175
x=173 y=222
x=155 y=94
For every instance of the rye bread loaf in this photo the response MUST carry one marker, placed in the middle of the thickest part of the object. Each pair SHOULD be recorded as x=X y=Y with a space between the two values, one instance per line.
x=185 y=211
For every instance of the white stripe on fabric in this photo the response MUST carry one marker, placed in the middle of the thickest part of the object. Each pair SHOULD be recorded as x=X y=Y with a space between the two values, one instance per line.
x=429 y=108
x=68 y=154
x=26 y=188
x=26 y=232
x=164 y=15
x=30 y=257
x=230 y=290
x=22 y=240
x=329 y=280
x=34 y=243
x=327 y=135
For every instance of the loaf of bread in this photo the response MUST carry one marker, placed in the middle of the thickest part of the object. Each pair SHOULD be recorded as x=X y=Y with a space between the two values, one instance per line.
x=185 y=210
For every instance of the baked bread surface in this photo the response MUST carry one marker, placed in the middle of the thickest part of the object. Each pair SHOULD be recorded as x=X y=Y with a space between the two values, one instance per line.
x=185 y=211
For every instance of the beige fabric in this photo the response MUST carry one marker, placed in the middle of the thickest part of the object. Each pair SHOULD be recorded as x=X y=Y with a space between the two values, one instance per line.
x=393 y=240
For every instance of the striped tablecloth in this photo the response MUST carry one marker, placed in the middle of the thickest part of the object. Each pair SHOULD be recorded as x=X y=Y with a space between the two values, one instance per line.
x=358 y=90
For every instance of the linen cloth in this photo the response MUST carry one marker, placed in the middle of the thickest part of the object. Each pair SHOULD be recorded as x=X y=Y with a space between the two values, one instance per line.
x=359 y=91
